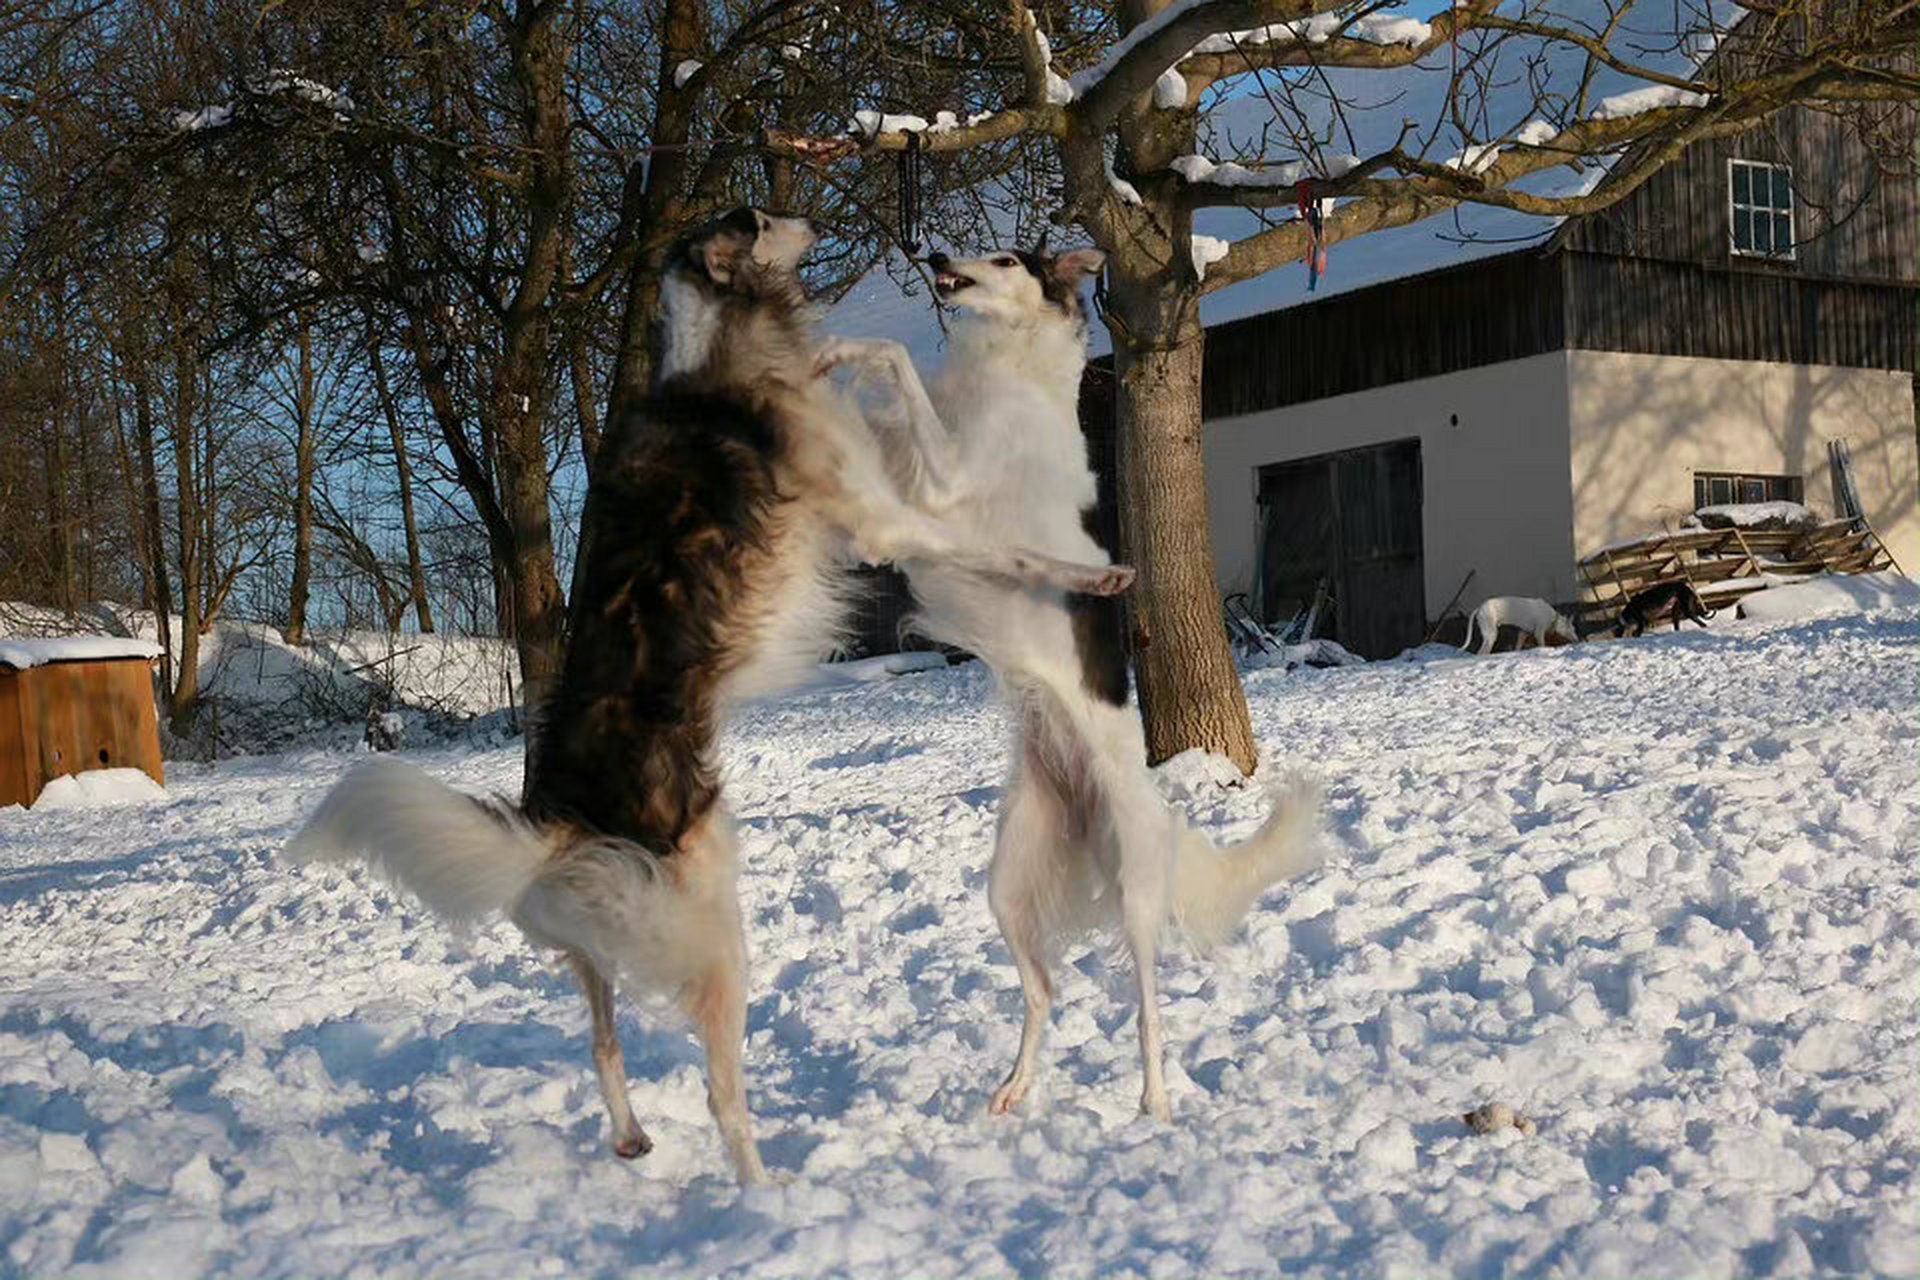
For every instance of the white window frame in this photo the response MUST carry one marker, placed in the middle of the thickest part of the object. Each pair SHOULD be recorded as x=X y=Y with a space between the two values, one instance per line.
x=1734 y=208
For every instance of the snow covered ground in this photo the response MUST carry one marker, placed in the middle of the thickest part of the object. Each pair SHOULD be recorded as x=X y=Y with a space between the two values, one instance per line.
x=1658 y=895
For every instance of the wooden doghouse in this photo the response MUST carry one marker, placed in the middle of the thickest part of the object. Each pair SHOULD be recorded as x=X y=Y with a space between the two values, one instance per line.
x=73 y=703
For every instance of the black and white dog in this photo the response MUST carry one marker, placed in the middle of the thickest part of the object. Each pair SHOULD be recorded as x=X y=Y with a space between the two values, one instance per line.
x=1677 y=599
x=1085 y=839
x=725 y=507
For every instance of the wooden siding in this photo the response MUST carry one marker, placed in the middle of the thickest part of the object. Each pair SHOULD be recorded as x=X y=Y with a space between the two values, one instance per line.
x=1484 y=312
x=1656 y=307
x=1851 y=218
x=1526 y=303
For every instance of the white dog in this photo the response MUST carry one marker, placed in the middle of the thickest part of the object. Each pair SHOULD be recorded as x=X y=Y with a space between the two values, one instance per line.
x=1085 y=839
x=1535 y=617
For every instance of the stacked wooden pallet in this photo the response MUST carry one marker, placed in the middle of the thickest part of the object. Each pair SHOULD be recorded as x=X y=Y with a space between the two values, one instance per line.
x=1725 y=564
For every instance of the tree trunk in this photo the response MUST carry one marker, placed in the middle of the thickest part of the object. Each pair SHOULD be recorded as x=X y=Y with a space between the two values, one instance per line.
x=416 y=571
x=586 y=415
x=1190 y=693
x=302 y=487
x=185 y=699
x=538 y=609
x=155 y=528
x=60 y=519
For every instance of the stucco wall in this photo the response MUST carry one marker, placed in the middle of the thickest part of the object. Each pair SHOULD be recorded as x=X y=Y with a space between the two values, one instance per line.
x=1640 y=426
x=1496 y=497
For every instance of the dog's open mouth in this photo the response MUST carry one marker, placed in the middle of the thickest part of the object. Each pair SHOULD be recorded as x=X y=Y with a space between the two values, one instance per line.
x=948 y=283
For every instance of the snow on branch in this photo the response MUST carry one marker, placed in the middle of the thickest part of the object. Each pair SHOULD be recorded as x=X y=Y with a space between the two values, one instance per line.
x=278 y=83
x=1199 y=169
x=1637 y=101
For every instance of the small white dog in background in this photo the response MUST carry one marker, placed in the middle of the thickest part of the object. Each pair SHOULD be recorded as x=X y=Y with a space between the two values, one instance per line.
x=1534 y=616
x=1085 y=839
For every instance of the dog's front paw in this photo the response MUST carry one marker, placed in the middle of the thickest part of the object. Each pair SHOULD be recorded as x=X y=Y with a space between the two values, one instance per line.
x=833 y=353
x=1109 y=581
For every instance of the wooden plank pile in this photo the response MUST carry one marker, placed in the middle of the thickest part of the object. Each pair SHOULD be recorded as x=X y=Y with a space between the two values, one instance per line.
x=1725 y=564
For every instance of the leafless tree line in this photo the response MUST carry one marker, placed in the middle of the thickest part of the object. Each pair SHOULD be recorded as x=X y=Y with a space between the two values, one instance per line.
x=317 y=309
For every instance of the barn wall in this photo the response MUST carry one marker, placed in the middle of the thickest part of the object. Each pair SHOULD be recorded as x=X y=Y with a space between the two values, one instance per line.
x=1496 y=492
x=1618 y=303
x=1641 y=425
x=1852 y=217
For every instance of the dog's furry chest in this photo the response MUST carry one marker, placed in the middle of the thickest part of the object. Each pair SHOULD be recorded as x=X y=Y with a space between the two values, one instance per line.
x=706 y=581
x=1023 y=465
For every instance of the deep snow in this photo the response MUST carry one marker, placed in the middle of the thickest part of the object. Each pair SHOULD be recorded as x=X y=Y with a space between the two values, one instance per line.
x=1657 y=895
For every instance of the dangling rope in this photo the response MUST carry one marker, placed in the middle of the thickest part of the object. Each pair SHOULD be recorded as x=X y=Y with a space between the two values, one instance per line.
x=910 y=195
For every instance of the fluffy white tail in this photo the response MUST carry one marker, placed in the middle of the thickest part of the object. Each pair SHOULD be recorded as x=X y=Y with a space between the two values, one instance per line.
x=1213 y=887
x=464 y=858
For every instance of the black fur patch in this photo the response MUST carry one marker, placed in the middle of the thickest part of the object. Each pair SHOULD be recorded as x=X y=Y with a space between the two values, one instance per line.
x=1059 y=292
x=1099 y=634
x=685 y=491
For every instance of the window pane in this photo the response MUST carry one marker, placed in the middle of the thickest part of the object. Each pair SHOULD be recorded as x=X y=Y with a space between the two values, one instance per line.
x=1783 y=233
x=1699 y=492
x=1782 y=188
x=1742 y=234
x=1756 y=491
x=1721 y=489
x=1740 y=191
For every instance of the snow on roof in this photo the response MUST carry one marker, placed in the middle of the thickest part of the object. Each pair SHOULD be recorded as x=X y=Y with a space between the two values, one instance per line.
x=22 y=652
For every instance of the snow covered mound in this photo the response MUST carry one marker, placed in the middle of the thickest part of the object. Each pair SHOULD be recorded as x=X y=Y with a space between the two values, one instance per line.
x=1833 y=594
x=1659 y=899
x=99 y=789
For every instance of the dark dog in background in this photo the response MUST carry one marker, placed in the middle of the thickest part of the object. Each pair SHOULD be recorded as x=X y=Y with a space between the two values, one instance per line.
x=1677 y=599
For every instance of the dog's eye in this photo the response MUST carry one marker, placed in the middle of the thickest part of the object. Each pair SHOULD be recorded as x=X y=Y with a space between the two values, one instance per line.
x=765 y=224
x=1006 y=260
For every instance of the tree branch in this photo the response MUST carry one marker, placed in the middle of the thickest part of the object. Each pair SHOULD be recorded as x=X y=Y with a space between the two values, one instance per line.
x=1657 y=136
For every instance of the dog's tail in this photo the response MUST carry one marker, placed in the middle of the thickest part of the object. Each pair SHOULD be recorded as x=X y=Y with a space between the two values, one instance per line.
x=1214 y=887
x=463 y=857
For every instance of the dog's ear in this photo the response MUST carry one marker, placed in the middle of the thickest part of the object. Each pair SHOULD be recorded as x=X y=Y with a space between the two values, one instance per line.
x=721 y=254
x=1076 y=263
x=727 y=245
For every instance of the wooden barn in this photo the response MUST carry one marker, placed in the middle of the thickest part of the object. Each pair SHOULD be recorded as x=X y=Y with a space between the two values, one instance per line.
x=1701 y=342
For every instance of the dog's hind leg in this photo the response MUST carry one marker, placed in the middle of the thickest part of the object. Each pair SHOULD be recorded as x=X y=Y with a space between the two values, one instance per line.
x=1146 y=837
x=717 y=1003
x=1020 y=894
x=715 y=998
x=629 y=1139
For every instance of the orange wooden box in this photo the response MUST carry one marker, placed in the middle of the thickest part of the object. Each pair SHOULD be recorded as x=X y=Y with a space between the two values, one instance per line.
x=70 y=716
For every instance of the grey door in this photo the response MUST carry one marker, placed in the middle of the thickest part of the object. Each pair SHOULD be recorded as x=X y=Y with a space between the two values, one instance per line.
x=1351 y=519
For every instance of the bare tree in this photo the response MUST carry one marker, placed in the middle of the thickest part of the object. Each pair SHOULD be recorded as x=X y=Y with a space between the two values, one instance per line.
x=1274 y=88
